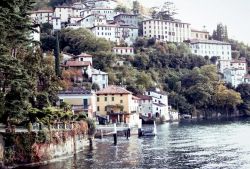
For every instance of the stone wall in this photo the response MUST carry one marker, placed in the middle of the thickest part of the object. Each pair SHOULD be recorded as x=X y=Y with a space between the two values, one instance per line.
x=37 y=147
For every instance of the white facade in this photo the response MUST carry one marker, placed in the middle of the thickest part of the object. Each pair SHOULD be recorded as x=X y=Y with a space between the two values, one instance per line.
x=108 y=12
x=123 y=50
x=154 y=104
x=236 y=73
x=129 y=19
x=116 y=33
x=146 y=106
x=92 y=20
x=56 y=22
x=42 y=16
x=166 y=31
x=100 y=78
x=210 y=48
x=64 y=12
x=234 y=76
x=35 y=35
x=159 y=104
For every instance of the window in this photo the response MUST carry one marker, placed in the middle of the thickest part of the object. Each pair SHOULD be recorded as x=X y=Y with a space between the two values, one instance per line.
x=105 y=99
x=121 y=101
x=113 y=99
x=98 y=99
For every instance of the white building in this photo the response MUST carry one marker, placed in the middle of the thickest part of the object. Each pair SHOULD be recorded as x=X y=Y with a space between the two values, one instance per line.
x=108 y=12
x=123 y=50
x=166 y=30
x=92 y=20
x=81 y=101
x=146 y=106
x=42 y=16
x=234 y=76
x=116 y=33
x=64 y=12
x=129 y=19
x=100 y=78
x=236 y=73
x=210 y=48
x=154 y=103
x=56 y=22
x=35 y=34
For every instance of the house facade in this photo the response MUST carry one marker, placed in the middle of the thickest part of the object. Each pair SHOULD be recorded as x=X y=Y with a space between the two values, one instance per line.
x=117 y=104
x=42 y=16
x=129 y=19
x=166 y=30
x=199 y=34
x=100 y=78
x=236 y=73
x=116 y=33
x=82 y=101
x=210 y=48
x=123 y=50
x=159 y=104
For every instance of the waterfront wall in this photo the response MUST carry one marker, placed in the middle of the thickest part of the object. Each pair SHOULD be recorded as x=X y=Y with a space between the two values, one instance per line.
x=37 y=147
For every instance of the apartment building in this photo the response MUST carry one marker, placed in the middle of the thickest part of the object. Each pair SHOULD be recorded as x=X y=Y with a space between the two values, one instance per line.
x=123 y=50
x=166 y=30
x=116 y=33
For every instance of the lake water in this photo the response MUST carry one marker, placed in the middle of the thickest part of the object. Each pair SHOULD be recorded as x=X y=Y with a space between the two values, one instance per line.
x=206 y=145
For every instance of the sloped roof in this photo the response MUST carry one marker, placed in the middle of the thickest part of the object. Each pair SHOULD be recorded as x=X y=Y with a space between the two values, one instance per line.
x=84 y=55
x=144 y=97
x=114 y=90
x=76 y=63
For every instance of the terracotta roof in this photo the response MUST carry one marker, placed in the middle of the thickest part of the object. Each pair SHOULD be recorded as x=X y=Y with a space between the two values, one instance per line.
x=136 y=98
x=144 y=97
x=76 y=63
x=113 y=90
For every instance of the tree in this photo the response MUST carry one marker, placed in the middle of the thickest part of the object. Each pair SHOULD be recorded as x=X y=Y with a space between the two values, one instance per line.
x=15 y=25
x=220 y=33
x=122 y=9
x=82 y=40
x=244 y=90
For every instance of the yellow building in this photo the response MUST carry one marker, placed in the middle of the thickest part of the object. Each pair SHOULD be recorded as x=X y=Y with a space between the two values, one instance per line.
x=117 y=104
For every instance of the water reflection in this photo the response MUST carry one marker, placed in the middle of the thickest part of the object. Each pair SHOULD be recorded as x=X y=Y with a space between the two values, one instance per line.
x=202 y=144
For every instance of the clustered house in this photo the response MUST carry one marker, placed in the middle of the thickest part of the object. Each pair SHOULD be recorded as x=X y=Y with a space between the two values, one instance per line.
x=118 y=105
x=154 y=105
x=115 y=103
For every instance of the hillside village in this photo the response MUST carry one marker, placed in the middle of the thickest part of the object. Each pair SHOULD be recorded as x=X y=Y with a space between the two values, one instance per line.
x=107 y=19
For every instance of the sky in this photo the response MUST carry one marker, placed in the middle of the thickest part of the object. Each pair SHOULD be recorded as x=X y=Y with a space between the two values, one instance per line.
x=233 y=13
